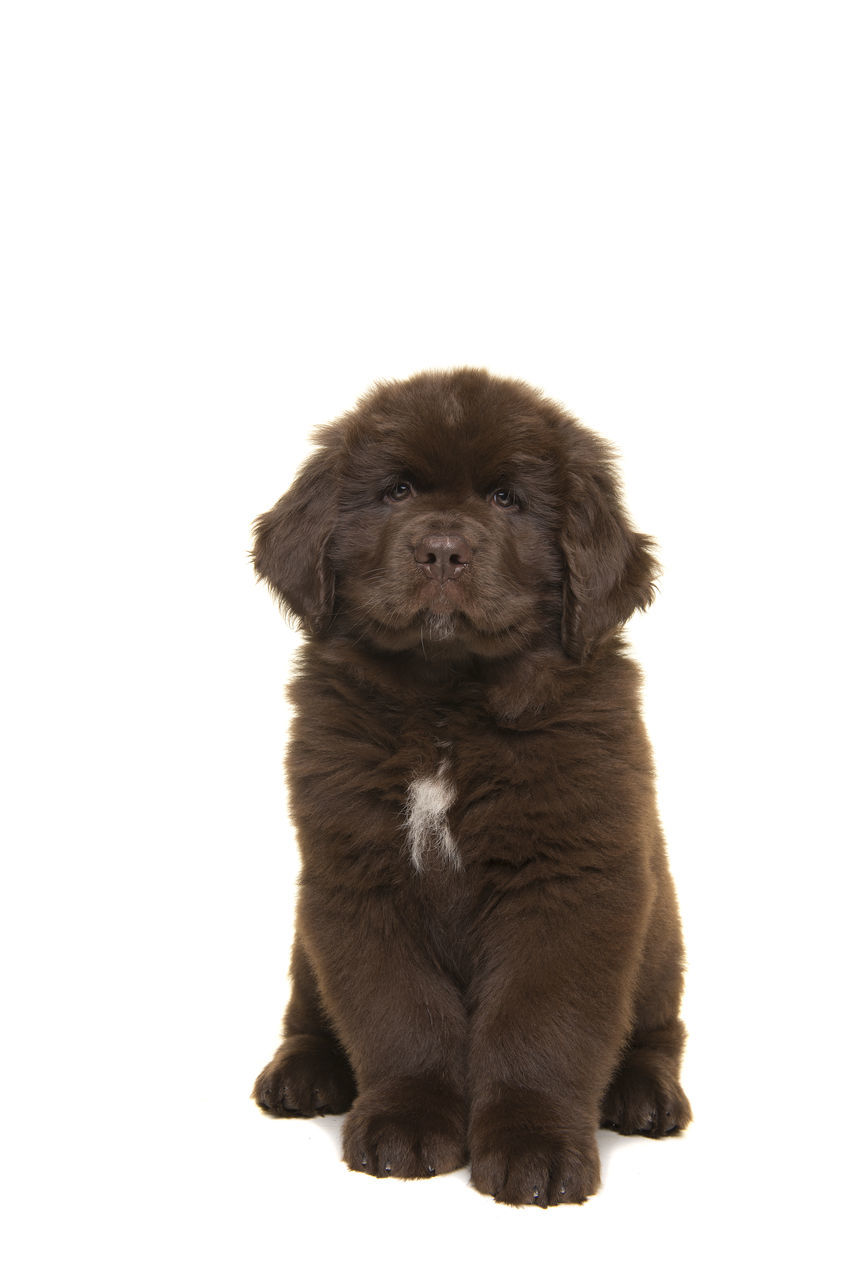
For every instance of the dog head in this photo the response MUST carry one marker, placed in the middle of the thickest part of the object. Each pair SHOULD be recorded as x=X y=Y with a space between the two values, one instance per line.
x=456 y=512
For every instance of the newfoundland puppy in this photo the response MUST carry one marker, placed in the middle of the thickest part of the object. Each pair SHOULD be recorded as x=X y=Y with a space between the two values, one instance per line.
x=488 y=960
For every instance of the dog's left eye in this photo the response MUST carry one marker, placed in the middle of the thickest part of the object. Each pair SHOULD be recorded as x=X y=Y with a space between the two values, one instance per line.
x=399 y=491
x=504 y=498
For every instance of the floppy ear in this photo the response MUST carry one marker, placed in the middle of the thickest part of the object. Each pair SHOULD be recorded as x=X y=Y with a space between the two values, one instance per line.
x=291 y=541
x=611 y=569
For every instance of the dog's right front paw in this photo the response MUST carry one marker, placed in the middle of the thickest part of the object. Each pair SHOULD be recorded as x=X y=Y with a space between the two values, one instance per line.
x=406 y=1129
x=309 y=1076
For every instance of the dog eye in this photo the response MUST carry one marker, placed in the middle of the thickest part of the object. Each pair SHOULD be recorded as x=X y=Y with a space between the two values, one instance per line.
x=504 y=498
x=399 y=491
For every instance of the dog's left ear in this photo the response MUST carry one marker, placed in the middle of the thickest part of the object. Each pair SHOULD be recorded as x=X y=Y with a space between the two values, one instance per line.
x=611 y=569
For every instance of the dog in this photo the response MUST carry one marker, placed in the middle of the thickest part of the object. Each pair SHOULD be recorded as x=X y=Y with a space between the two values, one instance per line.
x=488 y=958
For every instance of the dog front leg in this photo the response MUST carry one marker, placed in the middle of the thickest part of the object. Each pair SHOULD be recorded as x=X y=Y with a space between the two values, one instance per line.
x=551 y=1012
x=403 y=1025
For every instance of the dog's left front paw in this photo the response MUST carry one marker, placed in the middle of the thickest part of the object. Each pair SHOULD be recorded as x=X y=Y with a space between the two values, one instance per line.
x=536 y=1168
x=405 y=1130
x=521 y=1158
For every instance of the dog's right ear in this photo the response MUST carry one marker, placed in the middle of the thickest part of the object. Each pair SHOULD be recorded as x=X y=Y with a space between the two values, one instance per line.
x=291 y=542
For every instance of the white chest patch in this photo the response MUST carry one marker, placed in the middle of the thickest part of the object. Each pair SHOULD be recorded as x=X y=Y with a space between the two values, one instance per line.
x=426 y=819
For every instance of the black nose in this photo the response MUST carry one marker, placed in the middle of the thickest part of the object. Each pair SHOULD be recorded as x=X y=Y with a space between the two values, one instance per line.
x=443 y=555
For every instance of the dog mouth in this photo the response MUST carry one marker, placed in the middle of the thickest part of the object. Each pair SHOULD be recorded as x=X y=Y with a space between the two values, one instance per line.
x=445 y=615
x=444 y=612
x=400 y=614
x=442 y=598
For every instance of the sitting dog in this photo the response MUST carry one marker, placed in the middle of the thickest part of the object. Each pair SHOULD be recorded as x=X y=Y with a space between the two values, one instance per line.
x=488 y=960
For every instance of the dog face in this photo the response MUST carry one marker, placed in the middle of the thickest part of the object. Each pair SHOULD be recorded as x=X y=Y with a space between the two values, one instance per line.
x=456 y=513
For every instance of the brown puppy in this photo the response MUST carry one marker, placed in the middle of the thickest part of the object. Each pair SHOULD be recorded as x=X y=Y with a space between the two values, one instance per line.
x=488 y=958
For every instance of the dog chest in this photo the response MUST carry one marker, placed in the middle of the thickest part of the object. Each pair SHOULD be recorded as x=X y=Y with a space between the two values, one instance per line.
x=428 y=834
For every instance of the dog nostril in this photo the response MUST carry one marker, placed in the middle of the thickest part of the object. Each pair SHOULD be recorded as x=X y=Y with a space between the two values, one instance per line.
x=442 y=555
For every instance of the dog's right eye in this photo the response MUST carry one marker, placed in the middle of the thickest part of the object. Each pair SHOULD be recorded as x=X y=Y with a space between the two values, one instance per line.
x=399 y=491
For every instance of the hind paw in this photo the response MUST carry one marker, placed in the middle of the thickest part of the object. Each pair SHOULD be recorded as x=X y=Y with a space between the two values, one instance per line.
x=640 y=1102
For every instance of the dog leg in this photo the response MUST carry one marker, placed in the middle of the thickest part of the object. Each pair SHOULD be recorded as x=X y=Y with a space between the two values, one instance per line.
x=552 y=1007
x=309 y=1074
x=403 y=1023
x=645 y=1095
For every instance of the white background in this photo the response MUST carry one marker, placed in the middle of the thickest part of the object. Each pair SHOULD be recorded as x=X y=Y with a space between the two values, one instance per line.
x=221 y=223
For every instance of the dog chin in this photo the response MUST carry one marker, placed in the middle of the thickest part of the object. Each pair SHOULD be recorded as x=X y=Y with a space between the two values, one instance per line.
x=440 y=626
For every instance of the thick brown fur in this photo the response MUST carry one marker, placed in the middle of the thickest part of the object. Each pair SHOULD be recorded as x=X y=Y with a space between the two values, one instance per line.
x=488 y=957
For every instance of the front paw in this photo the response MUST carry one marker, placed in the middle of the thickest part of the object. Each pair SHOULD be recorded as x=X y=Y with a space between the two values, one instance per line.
x=309 y=1076
x=522 y=1156
x=406 y=1129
